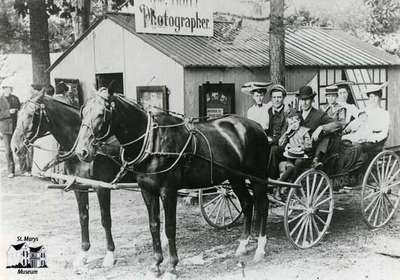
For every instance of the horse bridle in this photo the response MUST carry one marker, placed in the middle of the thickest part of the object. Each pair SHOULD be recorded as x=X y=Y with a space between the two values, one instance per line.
x=99 y=140
x=42 y=114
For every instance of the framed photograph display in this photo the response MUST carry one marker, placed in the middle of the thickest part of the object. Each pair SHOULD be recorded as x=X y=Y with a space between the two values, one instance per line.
x=153 y=96
x=75 y=93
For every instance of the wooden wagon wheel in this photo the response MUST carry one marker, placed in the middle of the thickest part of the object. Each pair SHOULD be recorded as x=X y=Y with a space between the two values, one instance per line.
x=219 y=206
x=380 y=193
x=309 y=210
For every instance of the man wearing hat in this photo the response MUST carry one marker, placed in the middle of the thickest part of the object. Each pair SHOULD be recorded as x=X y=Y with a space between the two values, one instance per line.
x=259 y=111
x=343 y=99
x=319 y=123
x=277 y=126
x=9 y=106
x=334 y=110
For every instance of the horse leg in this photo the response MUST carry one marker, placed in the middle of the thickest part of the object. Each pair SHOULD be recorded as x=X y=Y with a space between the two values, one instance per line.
x=246 y=202
x=169 y=199
x=261 y=204
x=152 y=202
x=103 y=196
x=83 y=206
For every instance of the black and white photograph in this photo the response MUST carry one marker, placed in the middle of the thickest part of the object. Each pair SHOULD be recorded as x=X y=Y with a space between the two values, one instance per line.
x=200 y=139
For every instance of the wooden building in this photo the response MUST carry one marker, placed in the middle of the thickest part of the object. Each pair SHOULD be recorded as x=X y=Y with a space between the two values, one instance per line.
x=203 y=75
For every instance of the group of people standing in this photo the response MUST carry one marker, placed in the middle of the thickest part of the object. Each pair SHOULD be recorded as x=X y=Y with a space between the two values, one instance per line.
x=308 y=136
x=9 y=107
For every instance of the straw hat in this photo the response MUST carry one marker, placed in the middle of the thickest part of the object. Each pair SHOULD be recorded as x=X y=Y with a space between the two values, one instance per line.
x=294 y=152
x=251 y=87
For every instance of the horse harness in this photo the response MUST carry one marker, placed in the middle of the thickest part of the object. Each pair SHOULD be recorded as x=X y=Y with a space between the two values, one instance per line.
x=147 y=144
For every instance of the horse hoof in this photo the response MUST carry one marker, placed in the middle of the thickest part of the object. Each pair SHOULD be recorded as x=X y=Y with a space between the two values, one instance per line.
x=169 y=276
x=240 y=252
x=80 y=260
x=109 y=259
x=259 y=256
x=152 y=275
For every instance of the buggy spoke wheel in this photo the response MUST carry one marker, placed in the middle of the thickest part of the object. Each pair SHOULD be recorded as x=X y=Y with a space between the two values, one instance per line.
x=380 y=193
x=309 y=210
x=219 y=206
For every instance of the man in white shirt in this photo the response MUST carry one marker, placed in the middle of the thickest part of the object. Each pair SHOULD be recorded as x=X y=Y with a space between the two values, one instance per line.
x=259 y=111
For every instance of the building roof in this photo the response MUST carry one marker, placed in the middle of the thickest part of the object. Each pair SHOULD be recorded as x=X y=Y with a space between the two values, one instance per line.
x=35 y=249
x=237 y=44
x=18 y=246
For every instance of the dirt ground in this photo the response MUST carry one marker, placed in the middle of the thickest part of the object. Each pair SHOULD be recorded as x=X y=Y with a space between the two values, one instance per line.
x=349 y=251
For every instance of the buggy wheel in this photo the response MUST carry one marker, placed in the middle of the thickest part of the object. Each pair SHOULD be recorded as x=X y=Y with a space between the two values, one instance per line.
x=219 y=206
x=380 y=193
x=309 y=209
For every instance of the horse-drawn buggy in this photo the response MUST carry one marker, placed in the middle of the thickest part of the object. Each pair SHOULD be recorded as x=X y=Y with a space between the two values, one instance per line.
x=168 y=153
x=308 y=210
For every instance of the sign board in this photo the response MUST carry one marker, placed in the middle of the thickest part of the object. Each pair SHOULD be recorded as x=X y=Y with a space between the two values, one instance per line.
x=177 y=17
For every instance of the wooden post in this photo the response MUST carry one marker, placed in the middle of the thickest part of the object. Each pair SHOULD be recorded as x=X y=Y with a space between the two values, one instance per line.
x=277 y=42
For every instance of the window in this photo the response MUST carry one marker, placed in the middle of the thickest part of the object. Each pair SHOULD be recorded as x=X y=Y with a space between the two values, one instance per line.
x=74 y=94
x=113 y=81
x=216 y=99
x=153 y=96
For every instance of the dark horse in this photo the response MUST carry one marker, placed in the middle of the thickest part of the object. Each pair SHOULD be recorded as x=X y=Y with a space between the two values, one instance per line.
x=43 y=114
x=167 y=154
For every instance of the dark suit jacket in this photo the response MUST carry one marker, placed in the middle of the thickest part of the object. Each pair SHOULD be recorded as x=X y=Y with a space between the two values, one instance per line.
x=277 y=125
x=318 y=117
x=8 y=121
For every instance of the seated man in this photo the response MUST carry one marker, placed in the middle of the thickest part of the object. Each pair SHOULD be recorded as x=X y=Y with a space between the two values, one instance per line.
x=335 y=110
x=277 y=126
x=319 y=124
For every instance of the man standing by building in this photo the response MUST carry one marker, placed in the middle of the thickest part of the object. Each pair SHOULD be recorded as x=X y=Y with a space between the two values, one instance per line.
x=9 y=106
x=259 y=111
x=277 y=126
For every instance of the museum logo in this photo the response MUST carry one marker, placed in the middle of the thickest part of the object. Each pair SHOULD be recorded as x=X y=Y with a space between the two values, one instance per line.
x=27 y=255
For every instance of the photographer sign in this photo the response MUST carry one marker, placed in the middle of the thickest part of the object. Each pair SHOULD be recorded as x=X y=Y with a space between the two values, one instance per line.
x=178 y=17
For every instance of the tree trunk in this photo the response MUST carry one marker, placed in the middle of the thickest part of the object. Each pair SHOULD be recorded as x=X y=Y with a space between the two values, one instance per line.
x=277 y=42
x=39 y=37
x=85 y=15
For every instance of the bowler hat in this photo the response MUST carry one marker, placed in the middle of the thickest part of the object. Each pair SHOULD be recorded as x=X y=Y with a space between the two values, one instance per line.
x=251 y=87
x=305 y=92
x=331 y=90
x=375 y=89
x=61 y=88
x=277 y=87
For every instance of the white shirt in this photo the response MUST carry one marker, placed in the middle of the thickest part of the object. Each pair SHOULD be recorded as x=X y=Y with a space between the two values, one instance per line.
x=378 y=123
x=259 y=114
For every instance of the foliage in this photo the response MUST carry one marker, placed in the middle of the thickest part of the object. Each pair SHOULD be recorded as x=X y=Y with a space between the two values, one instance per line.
x=384 y=17
x=304 y=17
x=14 y=22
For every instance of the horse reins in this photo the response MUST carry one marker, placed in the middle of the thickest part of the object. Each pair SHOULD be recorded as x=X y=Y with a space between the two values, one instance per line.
x=145 y=149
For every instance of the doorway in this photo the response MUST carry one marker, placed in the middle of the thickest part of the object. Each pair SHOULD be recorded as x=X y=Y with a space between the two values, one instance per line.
x=114 y=82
